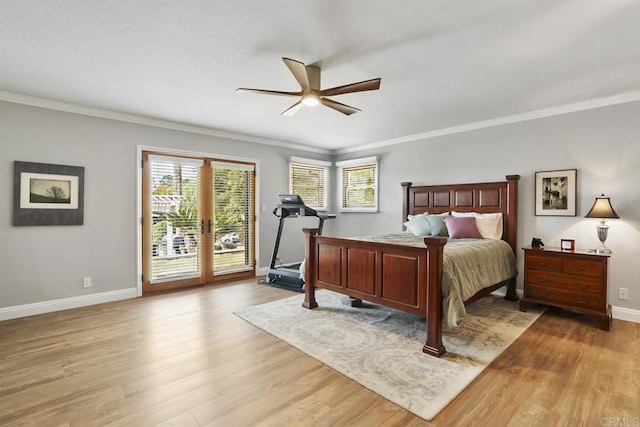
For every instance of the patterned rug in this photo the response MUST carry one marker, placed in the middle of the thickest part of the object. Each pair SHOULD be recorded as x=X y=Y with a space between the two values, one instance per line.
x=381 y=348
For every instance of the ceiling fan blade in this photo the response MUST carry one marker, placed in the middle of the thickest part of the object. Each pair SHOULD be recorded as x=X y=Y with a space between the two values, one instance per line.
x=268 y=92
x=343 y=108
x=293 y=109
x=299 y=71
x=373 y=84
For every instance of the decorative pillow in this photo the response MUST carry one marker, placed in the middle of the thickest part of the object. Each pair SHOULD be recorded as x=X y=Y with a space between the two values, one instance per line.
x=419 y=225
x=410 y=217
x=489 y=224
x=462 y=228
x=438 y=228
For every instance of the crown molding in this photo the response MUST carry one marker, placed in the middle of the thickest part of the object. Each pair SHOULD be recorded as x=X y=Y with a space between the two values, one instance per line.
x=532 y=115
x=167 y=124
x=68 y=107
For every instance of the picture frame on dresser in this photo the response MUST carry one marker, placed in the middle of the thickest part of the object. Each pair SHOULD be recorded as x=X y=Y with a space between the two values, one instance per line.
x=567 y=244
x=555 y=192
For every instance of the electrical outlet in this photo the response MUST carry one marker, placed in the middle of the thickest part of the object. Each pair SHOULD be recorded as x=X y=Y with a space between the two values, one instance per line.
x=623 y=293
x=86 y=282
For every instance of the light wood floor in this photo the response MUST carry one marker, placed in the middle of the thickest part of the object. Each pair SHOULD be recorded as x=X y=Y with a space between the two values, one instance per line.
x=184 y=359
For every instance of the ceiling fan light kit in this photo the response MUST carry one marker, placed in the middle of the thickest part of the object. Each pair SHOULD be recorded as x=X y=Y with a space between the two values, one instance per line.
x=310 y=94
x=311 y=99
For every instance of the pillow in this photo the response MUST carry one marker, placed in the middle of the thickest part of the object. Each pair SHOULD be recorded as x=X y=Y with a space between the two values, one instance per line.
x=410 y=217
x=462 y=228
x=438 y=228
x=489 y=224
x=419 y=225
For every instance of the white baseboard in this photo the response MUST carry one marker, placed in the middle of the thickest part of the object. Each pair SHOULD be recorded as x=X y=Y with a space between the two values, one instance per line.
x=627 y=314
x=65 y=303
x=25 y=310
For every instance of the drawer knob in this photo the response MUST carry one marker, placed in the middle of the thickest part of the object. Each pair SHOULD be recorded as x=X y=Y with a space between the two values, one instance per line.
x=541 y=280
x=542 y=264
x=583 y=287
x=581 y=268
x=581 y=302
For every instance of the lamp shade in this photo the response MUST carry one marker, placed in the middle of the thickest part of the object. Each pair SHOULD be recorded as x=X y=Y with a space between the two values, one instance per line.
x=602 y=209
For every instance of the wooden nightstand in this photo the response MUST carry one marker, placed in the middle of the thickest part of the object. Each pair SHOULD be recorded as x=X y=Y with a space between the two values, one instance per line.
x=575 y=280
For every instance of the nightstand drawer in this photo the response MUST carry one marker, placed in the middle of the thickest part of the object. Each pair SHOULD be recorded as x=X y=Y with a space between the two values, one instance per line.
x=539 y=262
x=583 y=268
x=565 y=281
x=573 y=299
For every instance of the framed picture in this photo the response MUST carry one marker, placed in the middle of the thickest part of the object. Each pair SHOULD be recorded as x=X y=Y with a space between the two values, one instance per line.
x=556 y=193
x=568 y=244
x=45 y=194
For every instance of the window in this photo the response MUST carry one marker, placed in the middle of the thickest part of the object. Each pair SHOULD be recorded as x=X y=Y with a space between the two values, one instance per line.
x=358 y=184
x=308 y=178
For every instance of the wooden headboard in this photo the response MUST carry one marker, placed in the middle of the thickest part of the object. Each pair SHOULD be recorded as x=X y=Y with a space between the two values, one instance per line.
x=482 y=197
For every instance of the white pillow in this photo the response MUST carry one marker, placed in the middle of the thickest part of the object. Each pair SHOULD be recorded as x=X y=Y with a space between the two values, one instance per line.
x=489 y=224
x=410 y=217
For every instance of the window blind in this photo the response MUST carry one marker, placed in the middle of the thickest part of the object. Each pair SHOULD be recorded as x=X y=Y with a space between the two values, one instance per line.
x=309 y=180
x=175 y=230
x=359 y=184
x=234 y=210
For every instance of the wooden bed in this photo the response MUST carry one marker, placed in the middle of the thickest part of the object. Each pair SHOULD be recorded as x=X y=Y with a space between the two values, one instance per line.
x=404 y=277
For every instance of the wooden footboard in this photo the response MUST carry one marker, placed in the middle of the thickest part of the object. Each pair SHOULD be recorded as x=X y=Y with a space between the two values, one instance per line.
x=402 y=277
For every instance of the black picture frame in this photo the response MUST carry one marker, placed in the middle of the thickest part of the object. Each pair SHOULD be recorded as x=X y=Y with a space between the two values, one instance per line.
x=556 y=192
x=47 y=194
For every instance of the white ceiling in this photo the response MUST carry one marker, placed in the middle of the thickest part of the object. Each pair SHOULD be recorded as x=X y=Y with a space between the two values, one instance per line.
x=445 y=65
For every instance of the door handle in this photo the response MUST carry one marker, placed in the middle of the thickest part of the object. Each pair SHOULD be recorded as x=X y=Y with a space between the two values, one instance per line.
x=210 y=226
x=202 y=227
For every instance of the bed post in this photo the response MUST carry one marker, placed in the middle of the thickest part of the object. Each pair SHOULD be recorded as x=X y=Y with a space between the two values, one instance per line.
x=310 y=260
x=512 y=228
x=434 y=261
x=406 y=186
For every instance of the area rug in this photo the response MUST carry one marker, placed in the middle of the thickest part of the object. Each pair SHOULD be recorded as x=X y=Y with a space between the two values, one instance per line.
x=381 y=348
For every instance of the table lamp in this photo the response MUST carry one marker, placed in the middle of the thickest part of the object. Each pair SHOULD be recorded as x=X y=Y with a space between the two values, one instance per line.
x=602 y=210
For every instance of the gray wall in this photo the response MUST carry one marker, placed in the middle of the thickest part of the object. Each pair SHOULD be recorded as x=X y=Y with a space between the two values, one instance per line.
x=603 y=144
x=47 y=263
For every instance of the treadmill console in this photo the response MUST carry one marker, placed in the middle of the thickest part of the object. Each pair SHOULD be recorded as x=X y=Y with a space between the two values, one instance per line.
x=292 y=205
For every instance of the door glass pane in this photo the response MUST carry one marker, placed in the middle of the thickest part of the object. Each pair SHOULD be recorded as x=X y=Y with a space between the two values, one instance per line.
x=233 y=207
x=176 y=234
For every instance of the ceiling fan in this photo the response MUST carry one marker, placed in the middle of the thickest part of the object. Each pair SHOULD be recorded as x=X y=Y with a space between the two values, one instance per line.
x=308 y=76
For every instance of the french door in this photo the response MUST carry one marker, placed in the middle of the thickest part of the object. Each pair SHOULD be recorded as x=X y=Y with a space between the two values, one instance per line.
x=198 y=223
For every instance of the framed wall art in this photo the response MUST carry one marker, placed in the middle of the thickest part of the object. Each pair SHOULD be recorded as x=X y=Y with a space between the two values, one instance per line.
x=45 y=194
x=556 y=193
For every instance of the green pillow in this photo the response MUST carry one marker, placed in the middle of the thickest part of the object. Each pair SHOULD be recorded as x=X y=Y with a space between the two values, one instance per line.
x=438 y=227
x=419 y=226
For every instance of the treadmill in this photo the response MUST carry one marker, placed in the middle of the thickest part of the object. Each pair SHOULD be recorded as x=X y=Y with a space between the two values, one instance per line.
x=288 y=276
